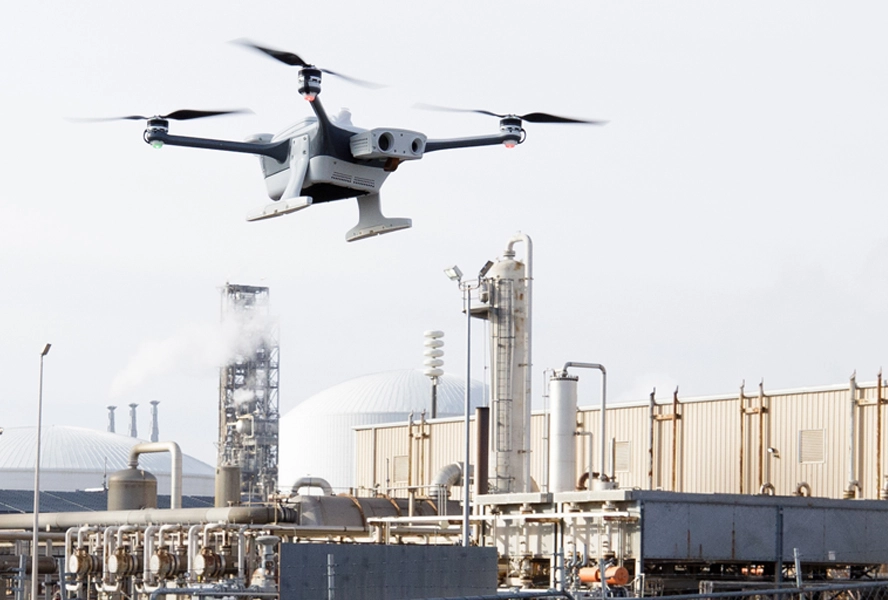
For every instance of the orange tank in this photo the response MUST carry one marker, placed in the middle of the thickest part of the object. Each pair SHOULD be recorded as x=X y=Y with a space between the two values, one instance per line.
x=615 y=575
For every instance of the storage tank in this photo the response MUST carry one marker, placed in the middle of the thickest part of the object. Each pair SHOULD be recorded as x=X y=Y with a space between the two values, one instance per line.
x=132 y=489
x=228 y=486
x=562 y=432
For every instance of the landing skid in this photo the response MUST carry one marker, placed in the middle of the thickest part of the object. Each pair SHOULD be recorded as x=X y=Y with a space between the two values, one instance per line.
x=372 y=222
x=280 y=208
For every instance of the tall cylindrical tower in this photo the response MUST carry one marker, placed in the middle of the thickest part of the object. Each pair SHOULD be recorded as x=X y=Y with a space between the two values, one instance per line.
x=505 y=294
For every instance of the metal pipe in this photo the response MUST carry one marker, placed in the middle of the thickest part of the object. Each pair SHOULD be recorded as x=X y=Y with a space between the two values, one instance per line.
x=879 y=431
x=674 y=437
x=852 y=426
x=448 y=476
x=219 y=592
x=742 y=433
x=316 y=482
x=761 y=427
x=603 y=430
x=185 y=516
x=652 y=405
x=176 y=471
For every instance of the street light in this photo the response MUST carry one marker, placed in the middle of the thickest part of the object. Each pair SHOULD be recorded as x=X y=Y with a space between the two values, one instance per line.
x=455 y=274
x=34 y=540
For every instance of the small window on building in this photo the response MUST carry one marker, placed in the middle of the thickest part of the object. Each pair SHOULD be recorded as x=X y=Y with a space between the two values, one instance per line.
x=400 y=469
x=621 y=457
x=811 y=446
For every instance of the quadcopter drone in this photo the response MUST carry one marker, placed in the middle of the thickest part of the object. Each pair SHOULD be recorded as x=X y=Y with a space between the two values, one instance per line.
x=324 y=158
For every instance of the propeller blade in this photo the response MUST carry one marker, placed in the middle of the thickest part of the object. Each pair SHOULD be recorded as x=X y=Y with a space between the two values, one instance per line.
x=424 y=106
x=294 y=60
x=185 y=114
x=288 y=58
x=361 y=82
x=176 y=115
x=538 y=117
x=534 y=117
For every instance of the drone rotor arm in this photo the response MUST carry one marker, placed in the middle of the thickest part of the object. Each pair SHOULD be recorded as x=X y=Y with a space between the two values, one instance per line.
x=505 y=138
x=276 y=150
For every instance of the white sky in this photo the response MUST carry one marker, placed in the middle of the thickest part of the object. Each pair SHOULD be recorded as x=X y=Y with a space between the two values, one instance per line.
x=729 y=222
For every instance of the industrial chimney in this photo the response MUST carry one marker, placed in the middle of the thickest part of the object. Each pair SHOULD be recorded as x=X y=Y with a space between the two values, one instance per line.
x=111 y=419
x=154 y=429
x=134 y=432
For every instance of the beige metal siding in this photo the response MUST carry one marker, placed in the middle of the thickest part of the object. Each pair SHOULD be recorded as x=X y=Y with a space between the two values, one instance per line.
x=708 y=445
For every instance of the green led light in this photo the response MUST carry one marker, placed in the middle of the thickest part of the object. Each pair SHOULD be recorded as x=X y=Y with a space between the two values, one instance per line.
x=157 y=144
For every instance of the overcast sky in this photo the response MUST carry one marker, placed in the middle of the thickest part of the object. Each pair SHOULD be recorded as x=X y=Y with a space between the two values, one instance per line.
x=729 y=223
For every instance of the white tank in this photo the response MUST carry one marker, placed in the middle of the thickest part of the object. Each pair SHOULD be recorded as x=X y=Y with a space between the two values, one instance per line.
x=562 y=432
x=505 y=290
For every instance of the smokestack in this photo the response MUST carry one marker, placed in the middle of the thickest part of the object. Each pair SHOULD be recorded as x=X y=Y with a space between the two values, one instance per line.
x=134 y=432
x=154 y=431
x=111 y=419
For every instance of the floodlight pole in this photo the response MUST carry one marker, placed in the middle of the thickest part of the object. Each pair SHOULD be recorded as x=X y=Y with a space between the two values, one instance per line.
x=35 y=539
x=466 y=287
x=468 y=407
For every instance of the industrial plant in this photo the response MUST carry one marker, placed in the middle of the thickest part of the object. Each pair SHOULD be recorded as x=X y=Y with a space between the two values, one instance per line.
x=750 y=492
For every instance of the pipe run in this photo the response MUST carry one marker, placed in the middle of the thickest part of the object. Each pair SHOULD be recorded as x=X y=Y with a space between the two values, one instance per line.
x=313 y=482
x=176 y=471
x=449 y=476
x=602 y=469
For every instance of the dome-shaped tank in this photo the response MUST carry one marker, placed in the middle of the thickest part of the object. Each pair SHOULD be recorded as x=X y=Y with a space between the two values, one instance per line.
x=132 y=489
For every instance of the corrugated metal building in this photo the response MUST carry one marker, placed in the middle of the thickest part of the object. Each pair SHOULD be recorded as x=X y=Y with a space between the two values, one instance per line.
x=826 y=442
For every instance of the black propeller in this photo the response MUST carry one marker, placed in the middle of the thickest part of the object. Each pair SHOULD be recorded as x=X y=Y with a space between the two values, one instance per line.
x=176 y=115
x=534 y=117
x=294 y=60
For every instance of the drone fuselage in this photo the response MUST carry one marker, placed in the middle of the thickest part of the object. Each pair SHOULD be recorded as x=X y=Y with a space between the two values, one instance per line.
x=338 y=160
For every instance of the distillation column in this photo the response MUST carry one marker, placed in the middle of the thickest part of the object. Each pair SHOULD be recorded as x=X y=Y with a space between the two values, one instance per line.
x=249 y=411
x=505 y=299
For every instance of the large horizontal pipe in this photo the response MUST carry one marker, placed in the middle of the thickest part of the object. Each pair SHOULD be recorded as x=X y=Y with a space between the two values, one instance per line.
x=185 y=516
x=16 y=536
x=45 y=565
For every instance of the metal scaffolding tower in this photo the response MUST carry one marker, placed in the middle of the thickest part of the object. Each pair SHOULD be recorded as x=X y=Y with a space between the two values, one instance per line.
x=248 y=391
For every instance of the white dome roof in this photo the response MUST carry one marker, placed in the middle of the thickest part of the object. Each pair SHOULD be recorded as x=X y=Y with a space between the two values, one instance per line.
x=317 y=437
x=74 y=458
x=391 y=392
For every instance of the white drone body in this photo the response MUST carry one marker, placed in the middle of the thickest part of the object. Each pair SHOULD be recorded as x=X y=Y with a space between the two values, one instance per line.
x=307 y=169
x=323 y=159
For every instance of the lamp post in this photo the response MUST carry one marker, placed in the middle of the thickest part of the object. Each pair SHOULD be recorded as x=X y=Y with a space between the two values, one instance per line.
x=35 y=540
x=455 y=274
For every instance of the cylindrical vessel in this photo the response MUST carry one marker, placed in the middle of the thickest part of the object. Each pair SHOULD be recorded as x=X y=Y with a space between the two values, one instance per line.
x=614 y=575
x=562 y=432
x=506 y=285
x=132 y=489
x=228 y=486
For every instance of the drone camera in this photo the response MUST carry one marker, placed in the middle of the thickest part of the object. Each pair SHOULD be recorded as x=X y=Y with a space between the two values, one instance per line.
x=388 y=143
